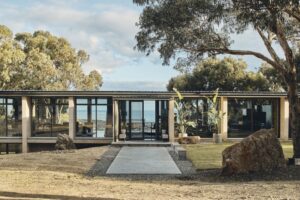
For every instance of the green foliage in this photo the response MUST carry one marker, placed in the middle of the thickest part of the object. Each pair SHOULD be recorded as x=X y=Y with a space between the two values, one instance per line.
x=42 y=61
x=275 y=79
x=183 y=111
x=214 y=114
x=228 y=74
x=194 y=29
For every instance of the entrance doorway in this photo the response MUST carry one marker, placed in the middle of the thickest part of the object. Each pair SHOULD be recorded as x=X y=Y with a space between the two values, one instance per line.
x=136 y=120
x=143 y=119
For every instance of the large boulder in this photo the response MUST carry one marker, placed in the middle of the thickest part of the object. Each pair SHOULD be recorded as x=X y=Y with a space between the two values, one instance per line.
x=260 y=151
x=64 y=142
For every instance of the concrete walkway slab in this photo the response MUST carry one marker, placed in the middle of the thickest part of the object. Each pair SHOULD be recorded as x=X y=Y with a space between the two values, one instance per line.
x=143 y=160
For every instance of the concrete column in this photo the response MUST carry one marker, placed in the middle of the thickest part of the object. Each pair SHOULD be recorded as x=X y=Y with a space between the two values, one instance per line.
x=224 y=121
x=116 y=120
x=171 y=120
x=72 y=118
x=284 y=118
x=26 y=122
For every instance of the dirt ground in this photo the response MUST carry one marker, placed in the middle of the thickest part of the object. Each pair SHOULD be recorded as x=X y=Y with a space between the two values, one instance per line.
x=51 y=175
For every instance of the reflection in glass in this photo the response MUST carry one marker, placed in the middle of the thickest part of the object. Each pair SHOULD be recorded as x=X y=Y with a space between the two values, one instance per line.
x=197 y=112
x=143 y=119
x=246 y=116
x=2 y=120
x=136 y=120
x=50 y=116
x=149 y=120
x=10 y=117
x=93 y=118
x=10 y=148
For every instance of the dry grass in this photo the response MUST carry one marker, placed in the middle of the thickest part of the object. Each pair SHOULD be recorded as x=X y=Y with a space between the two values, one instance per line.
x=75 y=161
x=62 y=185
x=209 y=156
x=50 y=175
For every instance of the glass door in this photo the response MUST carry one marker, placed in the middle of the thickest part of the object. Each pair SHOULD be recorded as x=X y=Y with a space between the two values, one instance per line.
x=136 y=120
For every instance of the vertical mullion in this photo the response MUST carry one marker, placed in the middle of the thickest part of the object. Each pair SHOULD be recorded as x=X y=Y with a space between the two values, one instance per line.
x=52 y=113
x=6 y=123
x=143 y=121
x=96 y=113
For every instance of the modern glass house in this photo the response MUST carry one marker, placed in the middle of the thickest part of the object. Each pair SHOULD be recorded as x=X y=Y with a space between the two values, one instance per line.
x=31 y=120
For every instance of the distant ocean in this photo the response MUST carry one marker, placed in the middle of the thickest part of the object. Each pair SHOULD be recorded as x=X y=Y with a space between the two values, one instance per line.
x=149 y=115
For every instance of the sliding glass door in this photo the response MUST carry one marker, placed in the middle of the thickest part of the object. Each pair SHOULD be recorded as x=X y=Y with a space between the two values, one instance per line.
x=136 y=118
x=143 y=119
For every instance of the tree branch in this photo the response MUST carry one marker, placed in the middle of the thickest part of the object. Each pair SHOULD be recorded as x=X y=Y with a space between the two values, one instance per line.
x=260 y=56
x=268 y=44
x=275 y=64
x=284 y=45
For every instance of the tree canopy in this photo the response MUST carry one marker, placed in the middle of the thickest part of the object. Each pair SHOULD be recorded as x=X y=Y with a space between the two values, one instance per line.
x=193 y=29
x=42 y=61
x=227 y=74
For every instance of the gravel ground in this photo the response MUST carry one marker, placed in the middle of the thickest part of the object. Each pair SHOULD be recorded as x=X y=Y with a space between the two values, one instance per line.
x=80 y=174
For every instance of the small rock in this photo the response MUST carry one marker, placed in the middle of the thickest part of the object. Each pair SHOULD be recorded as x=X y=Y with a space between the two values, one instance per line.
x=189 y=140
x=64 y=142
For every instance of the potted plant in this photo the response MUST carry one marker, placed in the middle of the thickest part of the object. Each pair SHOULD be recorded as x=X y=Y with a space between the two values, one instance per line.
x=214 y=117
x=183 y=111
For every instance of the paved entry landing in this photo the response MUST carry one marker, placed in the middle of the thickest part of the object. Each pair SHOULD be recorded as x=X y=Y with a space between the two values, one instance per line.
x=143 y=160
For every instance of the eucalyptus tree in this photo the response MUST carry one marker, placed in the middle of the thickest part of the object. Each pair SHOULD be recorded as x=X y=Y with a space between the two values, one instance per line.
x=191 y=29
x=42 y=61
x=227 y=74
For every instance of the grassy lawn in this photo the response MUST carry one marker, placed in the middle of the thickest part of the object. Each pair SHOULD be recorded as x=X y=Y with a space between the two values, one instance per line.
x=209 y=156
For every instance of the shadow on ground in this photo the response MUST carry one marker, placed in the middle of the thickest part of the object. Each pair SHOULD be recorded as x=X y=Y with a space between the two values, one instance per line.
x=103 y=163
x=15 y=195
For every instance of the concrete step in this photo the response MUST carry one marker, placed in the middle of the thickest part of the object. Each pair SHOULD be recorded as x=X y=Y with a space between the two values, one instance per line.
x=141 y=144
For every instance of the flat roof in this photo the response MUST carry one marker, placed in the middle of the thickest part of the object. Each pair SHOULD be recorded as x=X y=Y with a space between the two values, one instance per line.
x=138 y=94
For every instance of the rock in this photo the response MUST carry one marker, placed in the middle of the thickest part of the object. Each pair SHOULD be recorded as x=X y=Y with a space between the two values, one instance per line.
x=64 y=142
x=194 y=139
x=189 y=140
x=260 y=151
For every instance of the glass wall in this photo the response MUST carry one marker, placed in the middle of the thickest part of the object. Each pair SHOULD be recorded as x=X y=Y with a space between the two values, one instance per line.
x=50 y=116
x=10 y=148
x=10 y=117
x=197 y=112
x=246 y=116
x=94 y=117
x=143 y=119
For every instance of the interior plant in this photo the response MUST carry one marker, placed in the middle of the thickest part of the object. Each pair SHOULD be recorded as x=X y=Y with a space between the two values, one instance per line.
x=215 y=116
x=183 y=111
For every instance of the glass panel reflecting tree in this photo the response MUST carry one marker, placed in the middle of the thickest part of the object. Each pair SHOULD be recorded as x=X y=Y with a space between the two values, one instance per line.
x=50 y=116
x=60 y=120
x=2 y=118
x=10 y=117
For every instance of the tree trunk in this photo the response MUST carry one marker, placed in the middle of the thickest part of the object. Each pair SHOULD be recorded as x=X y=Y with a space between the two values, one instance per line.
x=294 y=113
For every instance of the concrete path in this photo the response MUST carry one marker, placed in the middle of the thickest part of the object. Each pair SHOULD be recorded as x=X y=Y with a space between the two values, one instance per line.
x=143 y=160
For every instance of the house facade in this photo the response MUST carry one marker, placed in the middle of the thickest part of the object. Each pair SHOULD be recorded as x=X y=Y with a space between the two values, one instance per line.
x=31 y=120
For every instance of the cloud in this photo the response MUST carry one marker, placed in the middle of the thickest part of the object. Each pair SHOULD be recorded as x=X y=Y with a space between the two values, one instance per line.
x=106 y=33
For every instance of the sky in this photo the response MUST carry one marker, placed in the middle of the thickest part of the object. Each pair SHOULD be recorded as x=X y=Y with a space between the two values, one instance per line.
x=106 y=30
